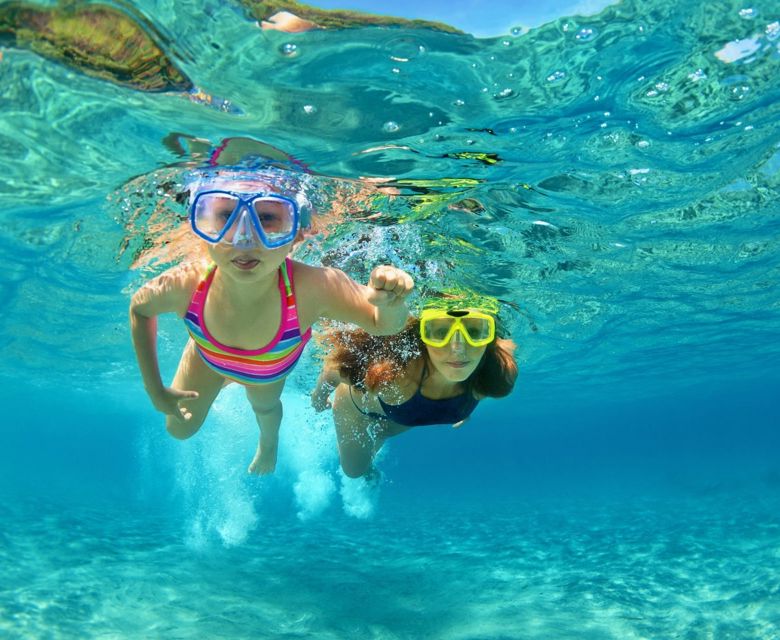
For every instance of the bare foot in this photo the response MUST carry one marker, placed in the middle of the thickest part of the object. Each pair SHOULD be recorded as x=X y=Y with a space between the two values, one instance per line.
x=264 y=461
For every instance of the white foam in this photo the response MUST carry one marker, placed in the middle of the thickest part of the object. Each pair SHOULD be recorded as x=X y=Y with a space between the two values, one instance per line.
x=211 y=472
x=359 y=497
x=209 y=468
x=308 y=450
x=313 y=493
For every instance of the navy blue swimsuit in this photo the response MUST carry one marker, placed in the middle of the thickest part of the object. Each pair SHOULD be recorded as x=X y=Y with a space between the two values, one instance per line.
x=420 y=411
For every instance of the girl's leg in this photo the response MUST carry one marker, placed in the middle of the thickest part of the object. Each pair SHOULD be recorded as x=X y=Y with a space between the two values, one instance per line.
x=266 y=403
x=359 y=436
x=193 y=375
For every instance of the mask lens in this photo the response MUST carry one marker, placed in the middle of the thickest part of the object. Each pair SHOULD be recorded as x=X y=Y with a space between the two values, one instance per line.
x=276 y=217
x=478 y=329
x=212 y=212
x=435 y=331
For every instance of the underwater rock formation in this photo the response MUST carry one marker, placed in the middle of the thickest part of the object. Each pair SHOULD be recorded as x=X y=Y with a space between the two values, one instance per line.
x=296 y=16
x=99 y=40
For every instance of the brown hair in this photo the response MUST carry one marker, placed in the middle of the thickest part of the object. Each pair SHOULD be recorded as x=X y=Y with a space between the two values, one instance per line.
x=369 y=362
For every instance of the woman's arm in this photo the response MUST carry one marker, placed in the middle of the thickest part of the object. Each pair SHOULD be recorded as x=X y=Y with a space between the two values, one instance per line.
x=328 y=380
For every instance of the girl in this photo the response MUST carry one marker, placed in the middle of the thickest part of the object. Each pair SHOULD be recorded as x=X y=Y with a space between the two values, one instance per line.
x=250 y=311
x=434 y=372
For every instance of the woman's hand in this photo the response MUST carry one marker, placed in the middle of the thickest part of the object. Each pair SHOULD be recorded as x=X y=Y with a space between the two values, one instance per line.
x=320 y=398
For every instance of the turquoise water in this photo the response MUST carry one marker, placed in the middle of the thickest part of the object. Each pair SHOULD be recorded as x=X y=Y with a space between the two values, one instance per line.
x=613 y=180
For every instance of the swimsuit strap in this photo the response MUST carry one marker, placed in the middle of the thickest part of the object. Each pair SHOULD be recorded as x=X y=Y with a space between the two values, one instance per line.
x=369 y=414
x=285 y=269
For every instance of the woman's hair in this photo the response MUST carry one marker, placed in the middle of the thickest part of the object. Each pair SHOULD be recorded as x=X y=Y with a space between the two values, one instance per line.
x=370 y=362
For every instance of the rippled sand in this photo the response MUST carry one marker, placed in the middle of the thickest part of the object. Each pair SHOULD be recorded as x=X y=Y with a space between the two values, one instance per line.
x=697 y=569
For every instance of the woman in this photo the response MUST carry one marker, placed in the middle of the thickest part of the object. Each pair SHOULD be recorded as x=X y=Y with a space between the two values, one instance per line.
x=434 y=372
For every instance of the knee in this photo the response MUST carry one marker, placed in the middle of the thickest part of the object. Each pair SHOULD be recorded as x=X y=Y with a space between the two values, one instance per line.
x=266 y=408
x=181 y=429
x=355 y=468
x=353 y=472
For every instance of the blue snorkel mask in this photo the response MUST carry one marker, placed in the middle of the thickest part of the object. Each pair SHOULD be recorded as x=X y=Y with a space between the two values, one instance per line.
x=245 y=220
x=248 y=209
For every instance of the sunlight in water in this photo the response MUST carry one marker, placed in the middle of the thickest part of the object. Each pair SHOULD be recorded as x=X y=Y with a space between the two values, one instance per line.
x=607 y=181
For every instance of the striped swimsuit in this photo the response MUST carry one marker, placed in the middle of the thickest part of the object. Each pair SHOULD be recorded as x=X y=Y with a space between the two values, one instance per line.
x=254 y=366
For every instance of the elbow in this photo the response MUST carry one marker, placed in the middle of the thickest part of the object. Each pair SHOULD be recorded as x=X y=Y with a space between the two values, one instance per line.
x=135 y=316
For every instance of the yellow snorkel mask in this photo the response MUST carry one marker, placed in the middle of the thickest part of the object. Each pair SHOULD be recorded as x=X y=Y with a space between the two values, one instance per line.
x=439 y=326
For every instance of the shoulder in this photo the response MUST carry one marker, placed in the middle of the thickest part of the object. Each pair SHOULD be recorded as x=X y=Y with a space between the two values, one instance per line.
x=316 y=278
x=172 y=289
x=183 y=278
x=405 y=385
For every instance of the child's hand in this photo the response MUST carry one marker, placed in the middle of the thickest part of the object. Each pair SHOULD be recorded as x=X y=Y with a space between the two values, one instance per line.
x=168 y=401
x=390 y=286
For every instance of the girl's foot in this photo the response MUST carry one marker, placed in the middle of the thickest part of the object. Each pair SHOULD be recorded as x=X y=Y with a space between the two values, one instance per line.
x=264 y=461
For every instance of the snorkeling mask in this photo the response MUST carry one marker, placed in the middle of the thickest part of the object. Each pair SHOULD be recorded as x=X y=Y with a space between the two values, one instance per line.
x=245 y=220
x=439 y=326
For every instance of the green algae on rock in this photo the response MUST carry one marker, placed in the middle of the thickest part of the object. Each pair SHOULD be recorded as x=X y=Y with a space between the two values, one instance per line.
x=99 y=40
x=263 y=10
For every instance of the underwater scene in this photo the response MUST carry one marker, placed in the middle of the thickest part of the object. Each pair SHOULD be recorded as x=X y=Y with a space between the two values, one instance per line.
x=600 y=180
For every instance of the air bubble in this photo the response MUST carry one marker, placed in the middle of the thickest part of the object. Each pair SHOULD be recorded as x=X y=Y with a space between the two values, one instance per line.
x=586 y=34
x=390 y=126
x=309 y=109
x=405 y=48
x=748 y=14
x=289 y=50
x=697 y=75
